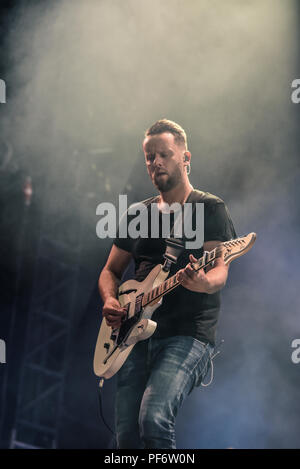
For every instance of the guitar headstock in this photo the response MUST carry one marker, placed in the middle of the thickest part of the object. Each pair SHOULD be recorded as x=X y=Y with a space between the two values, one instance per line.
x=237 y=247
x=229 y=250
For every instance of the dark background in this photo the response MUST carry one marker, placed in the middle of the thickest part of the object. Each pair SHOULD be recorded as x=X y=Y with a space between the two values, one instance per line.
x=84 y=80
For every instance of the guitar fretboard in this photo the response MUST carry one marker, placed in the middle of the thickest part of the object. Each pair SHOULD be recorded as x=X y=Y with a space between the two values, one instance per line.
x=172 y=282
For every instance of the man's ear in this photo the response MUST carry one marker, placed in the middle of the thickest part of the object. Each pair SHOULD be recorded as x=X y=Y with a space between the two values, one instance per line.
x=187 y=156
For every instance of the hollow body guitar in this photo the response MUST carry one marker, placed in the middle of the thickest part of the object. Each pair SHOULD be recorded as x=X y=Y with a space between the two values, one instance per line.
x=141 y=299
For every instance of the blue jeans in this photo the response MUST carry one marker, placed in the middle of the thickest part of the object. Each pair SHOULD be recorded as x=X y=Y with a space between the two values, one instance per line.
x=151 y=386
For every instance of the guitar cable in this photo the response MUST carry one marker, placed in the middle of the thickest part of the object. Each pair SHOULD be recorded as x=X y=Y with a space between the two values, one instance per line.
x=212 y=365
x=101 y=382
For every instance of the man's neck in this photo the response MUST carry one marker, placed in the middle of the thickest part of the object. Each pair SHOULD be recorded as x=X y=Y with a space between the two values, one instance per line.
x=178 y=194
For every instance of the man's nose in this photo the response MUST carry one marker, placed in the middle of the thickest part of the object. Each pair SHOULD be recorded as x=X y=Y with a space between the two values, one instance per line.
x=157 y=160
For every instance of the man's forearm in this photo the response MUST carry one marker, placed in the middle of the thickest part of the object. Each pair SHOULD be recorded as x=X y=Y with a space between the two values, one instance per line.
x=108 y=285
x=217 y=278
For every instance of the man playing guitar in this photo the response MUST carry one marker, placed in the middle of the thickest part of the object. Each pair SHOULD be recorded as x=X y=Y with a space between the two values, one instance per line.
x=161 y=371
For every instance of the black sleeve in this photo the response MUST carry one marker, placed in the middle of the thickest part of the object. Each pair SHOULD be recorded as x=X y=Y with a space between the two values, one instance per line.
x=217 y=223
x=121 y=242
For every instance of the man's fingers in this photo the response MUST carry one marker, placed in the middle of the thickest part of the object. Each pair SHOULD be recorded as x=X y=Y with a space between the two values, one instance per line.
x=190 y=272
x=115 y=312
x=112 y=322
x=183 y=277
x=192 y=258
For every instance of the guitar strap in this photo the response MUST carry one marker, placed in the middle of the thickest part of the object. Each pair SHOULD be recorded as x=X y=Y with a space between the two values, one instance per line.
x=175 y=246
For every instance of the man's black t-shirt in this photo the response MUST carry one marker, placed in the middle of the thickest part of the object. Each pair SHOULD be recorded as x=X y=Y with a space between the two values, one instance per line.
x=183 y=312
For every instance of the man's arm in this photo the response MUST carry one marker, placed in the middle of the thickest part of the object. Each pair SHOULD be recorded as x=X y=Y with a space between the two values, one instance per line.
x=109 y=282
x=210 y=282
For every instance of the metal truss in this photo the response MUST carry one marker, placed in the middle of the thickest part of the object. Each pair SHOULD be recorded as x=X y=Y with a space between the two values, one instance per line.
x=41 y=385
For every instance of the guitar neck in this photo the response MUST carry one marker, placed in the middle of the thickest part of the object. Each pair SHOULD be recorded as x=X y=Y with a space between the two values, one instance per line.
x=172 y=282
x=229 y=250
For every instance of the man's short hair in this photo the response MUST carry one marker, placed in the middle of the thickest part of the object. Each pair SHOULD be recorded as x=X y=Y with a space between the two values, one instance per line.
x=165 y=125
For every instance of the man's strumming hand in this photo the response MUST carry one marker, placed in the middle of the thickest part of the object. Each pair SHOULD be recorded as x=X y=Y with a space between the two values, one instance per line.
x=113 y=312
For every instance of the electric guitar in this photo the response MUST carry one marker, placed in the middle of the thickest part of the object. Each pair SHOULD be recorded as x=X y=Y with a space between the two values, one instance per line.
x=141 y=299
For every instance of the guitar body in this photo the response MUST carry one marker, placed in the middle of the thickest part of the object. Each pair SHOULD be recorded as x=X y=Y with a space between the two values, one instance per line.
x=106 y=365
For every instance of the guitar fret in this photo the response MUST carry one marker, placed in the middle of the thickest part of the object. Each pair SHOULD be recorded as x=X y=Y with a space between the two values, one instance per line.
x=211 y=255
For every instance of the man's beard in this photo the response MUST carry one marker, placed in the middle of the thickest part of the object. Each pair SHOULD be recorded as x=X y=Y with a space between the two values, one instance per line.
x=166 y=184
